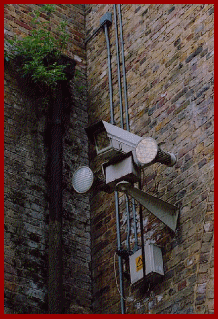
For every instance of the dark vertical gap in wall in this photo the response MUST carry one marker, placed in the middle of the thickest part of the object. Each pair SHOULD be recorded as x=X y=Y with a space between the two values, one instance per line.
x=55 y=280
x=58 y=118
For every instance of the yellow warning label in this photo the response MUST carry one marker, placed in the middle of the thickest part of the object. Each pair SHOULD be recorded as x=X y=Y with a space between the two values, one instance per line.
x=139 y=263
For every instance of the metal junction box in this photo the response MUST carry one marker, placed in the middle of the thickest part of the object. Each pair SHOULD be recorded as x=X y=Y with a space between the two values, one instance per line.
x=106 y=19
x=153 y=263
x=124 y=170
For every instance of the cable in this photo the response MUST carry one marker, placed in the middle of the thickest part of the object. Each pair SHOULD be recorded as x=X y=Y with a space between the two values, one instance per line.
x=93 y=34
x=129 y=298
x=115 y=274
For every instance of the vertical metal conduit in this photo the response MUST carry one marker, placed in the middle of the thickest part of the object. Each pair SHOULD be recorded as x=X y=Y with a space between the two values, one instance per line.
x=109 y=73
x=141 y=228
x=136 y=247
x=118 y=67
x=128 y=223
x=121 y=113
x=124 y=71
x=128 y=129
x=119 y=257
x=126 y=111
x=116 y=193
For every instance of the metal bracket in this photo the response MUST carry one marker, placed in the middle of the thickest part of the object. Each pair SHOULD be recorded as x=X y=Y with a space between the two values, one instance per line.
x=164 y=211
x=106 y=19
x=124 y=253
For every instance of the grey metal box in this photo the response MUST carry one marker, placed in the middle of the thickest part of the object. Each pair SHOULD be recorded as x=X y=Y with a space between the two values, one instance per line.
x=153 y=262
x=122 y=170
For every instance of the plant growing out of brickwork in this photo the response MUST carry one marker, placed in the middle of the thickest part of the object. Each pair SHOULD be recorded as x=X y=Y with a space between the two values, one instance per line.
x=40 y=51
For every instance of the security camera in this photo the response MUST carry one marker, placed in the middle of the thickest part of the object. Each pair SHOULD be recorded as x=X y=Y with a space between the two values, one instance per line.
x=112 y=143
x=125 y=153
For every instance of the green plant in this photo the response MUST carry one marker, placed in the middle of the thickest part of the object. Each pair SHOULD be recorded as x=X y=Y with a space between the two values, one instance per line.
x=41 y=50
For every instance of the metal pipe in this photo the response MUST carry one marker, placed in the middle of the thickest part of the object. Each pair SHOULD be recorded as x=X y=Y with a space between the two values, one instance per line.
x=136 y=247
x=135 y=225
x=127 y=115
x=119 y=257
x=142 y=231
x=128 y=223
x=124 y=72
x=109 y=74
x=118 y=67
x=116 y=193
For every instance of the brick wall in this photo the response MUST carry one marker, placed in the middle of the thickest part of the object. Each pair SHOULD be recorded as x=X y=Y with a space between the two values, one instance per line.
x=169 y=71
x=26 y=178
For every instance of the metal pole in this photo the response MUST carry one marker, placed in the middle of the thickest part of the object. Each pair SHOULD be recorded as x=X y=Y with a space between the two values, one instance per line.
x=142 y=231
x=127 y=115
x=118 y=67
x=128 y=223
x=116 y=193
x=109 y=73
x=119 y=257
x=124 y=72
x=136 y=247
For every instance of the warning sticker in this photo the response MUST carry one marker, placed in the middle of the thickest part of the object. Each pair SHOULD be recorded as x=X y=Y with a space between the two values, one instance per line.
x=139 y=263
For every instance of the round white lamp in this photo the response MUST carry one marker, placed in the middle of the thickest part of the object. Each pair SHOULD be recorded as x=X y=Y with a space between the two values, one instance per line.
x=146 y=150
x=82 y=179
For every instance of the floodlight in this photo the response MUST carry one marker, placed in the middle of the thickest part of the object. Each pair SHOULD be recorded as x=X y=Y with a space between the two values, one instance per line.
x=112 y=143
x=82 y=179
x=147 y=152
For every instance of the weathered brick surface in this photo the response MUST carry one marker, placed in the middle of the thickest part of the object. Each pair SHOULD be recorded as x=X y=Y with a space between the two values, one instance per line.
x=169 y=70
x=26 y=208
x=26 y=177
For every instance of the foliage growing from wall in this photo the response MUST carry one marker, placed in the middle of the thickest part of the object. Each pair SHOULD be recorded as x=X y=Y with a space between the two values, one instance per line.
x=41 y=50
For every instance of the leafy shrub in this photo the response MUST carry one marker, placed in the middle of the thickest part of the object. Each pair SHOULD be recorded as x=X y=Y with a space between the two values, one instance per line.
x=41 y=50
